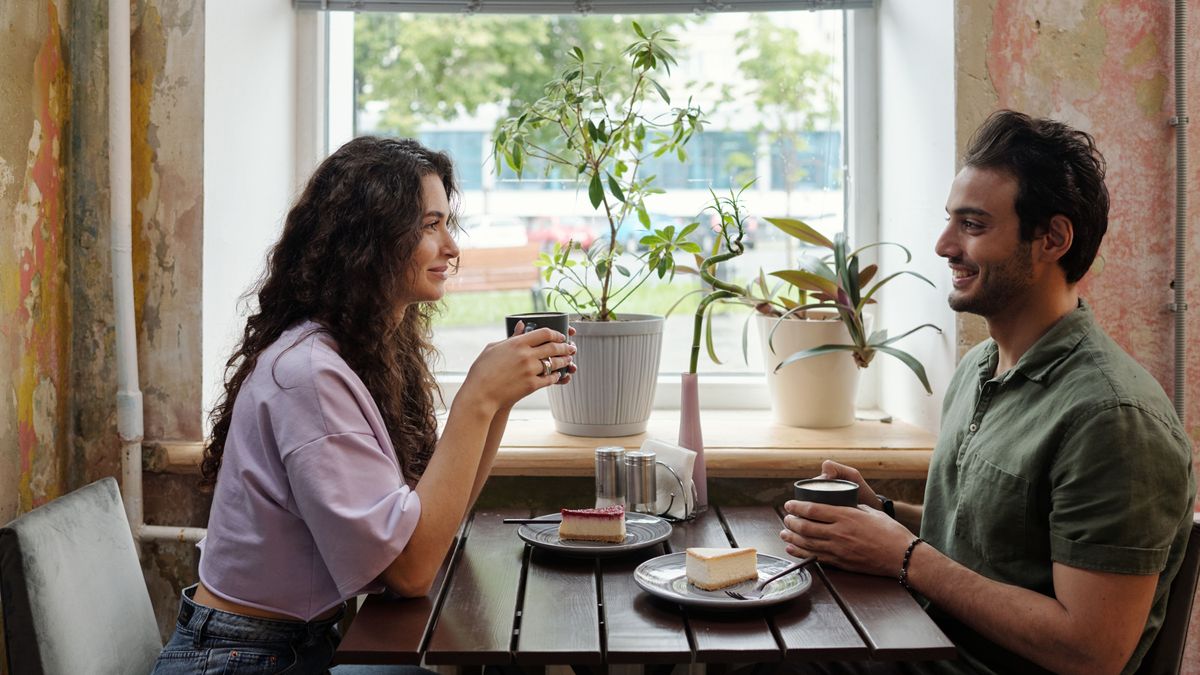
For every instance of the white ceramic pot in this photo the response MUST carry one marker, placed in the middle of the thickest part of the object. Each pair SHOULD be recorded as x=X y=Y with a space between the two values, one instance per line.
x=819 y=391
x=613 y=392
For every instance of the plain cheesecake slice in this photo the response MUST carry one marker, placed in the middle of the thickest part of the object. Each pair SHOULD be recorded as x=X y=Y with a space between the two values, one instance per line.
x=715 y=568
x=606 y=524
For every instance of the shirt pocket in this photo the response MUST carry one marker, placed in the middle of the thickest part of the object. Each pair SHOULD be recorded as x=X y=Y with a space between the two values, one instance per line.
x=993 y=511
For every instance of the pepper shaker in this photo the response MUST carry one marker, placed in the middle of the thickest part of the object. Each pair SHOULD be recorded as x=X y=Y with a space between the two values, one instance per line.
x=610 y=476
x=641 y=486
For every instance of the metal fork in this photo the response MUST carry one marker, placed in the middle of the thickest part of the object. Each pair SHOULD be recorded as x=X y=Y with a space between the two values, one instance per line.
x=758 y=589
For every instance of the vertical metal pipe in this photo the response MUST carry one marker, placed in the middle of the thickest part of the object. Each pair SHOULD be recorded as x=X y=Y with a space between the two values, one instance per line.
x=120 y=169
x=1181 y=202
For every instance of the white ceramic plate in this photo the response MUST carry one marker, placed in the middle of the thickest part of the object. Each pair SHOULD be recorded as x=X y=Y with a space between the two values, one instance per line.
x=641 y=530
x=666 y=577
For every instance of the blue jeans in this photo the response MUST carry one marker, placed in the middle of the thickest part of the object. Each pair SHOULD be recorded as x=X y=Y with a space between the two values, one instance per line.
x=208 y=641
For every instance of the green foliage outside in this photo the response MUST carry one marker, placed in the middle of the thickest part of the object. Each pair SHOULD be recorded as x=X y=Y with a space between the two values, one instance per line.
x=438 y=67
x=481 y=307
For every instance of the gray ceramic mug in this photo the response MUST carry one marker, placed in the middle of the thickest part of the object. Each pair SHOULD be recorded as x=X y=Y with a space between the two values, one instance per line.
x=833 y=491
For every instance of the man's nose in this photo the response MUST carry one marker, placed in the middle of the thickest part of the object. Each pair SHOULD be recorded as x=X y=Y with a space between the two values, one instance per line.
x=946 y=246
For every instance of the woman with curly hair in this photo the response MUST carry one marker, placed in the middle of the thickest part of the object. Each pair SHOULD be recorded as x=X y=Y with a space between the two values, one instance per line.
x=329 y=476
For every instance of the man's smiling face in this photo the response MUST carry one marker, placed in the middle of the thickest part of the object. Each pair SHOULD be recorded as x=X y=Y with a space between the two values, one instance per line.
x=992 y=268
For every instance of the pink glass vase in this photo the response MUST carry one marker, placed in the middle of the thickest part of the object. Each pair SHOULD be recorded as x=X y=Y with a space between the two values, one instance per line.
x=690 y=436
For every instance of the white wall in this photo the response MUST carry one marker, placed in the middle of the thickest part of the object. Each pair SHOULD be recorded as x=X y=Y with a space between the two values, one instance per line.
x=917 y=163
x=249 y=158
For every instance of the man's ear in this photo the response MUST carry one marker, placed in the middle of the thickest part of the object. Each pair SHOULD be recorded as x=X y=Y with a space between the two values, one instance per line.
x=1055 y=240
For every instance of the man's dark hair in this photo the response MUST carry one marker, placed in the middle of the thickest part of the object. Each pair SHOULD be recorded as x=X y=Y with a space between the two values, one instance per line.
x=1058 y=171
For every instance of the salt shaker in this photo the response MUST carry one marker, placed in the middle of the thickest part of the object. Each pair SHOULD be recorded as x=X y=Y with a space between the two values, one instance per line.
x=641 y=486
x=610 y=476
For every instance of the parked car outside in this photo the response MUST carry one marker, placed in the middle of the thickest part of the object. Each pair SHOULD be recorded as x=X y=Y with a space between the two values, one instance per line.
x=488 y=231
x=550 y=230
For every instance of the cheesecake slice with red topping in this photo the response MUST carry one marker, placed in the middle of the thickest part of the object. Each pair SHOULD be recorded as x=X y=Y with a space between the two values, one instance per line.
x=606 y=524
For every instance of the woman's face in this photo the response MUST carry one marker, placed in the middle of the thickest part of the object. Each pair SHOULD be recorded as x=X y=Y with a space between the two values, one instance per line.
x=430 y=264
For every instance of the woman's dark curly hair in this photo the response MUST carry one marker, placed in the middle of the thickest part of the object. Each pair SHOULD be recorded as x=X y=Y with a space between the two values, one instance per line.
x=342 y=262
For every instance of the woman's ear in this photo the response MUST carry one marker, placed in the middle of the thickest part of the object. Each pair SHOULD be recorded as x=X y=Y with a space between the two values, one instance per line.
x=1056 y=239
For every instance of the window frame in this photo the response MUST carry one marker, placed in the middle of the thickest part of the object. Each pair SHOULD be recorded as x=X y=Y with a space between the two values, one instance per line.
x=859 y=150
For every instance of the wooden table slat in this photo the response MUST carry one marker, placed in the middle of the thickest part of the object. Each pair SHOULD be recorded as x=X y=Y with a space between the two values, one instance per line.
x=890 y=620
x=475 y=626
x=811 y=627
x=393 y=630
x=731 y=637
x=560 y=620
x=639 y=629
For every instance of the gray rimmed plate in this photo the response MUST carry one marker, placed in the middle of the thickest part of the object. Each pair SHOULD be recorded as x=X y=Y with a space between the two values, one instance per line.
x=641 y=530
x=666 y=577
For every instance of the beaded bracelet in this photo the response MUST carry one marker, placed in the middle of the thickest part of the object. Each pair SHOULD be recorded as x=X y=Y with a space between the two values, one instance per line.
x=907 y=558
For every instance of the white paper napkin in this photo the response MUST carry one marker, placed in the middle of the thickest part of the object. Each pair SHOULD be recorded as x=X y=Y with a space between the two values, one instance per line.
x=680 y=460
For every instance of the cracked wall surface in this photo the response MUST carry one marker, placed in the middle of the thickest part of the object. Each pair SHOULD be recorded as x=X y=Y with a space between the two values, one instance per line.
x=1104 y=66
x=58 y=386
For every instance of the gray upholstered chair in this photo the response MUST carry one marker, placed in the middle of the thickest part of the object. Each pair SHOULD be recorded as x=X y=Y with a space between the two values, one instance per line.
x=1166 y=654
x=72 y=590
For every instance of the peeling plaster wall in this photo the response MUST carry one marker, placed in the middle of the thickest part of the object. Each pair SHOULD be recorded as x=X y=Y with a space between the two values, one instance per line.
x=57 y=378
x=1105 y=66
x=34 y=290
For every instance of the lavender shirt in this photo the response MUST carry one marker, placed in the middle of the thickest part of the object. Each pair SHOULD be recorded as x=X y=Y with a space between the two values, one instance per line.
x=310 y=504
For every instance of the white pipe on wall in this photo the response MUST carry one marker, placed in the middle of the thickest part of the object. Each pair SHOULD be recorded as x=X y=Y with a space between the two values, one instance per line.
x=130 y=427
x=120 y=170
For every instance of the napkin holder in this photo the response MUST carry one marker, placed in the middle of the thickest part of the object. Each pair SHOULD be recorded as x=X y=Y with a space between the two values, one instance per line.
x=676 y=493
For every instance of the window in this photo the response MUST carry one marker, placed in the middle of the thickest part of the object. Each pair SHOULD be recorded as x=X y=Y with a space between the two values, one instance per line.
x=770 y=85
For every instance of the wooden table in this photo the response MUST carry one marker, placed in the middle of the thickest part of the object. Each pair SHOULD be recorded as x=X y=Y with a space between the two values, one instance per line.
x=500 y=602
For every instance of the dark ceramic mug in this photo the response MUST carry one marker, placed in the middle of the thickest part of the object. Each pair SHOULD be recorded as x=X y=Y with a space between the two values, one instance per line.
x=535 y=320
x=833 y=491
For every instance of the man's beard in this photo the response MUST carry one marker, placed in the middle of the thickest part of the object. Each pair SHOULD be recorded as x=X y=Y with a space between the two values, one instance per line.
x=1003 y=284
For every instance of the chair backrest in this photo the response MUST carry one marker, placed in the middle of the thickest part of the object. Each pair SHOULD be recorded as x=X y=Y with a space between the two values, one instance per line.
x=72 y=591
x=1166 y=654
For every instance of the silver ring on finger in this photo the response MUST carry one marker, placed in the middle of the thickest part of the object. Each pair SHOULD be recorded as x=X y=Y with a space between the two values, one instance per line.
x=547 y=368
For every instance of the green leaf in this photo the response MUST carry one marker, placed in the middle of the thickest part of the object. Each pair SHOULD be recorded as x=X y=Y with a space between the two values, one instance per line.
x=614 y=188
x=643 y=216
x=802 y=231
x=885 y=340
x=596 y=191
x=879 y=285
x=662 y=92
x=912 y=363
x=807 y=281
x=622 y=269
x=638 y=29
x=815 y=351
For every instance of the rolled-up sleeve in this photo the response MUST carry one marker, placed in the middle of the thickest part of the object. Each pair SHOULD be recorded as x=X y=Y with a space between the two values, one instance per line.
x=1120 y=483
x=359 y=511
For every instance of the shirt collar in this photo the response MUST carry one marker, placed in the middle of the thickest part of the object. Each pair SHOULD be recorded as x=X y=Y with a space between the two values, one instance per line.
x=1050 y=349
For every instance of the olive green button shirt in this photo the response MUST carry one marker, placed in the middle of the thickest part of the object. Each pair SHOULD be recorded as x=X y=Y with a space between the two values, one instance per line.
x=1075 y=456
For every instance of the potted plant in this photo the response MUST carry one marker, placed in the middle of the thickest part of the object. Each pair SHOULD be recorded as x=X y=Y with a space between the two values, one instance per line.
x=731 y=230
x=814 y=329
x=599 y=124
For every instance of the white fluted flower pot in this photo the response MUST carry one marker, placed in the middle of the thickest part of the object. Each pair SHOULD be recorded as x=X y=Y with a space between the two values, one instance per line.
x=817 y=392
x=613 y=392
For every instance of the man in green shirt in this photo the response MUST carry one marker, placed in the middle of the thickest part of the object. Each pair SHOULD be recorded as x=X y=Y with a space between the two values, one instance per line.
x=1060 y=493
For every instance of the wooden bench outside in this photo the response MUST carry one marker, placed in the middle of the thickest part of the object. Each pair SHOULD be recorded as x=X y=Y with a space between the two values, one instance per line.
x=506 y=268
